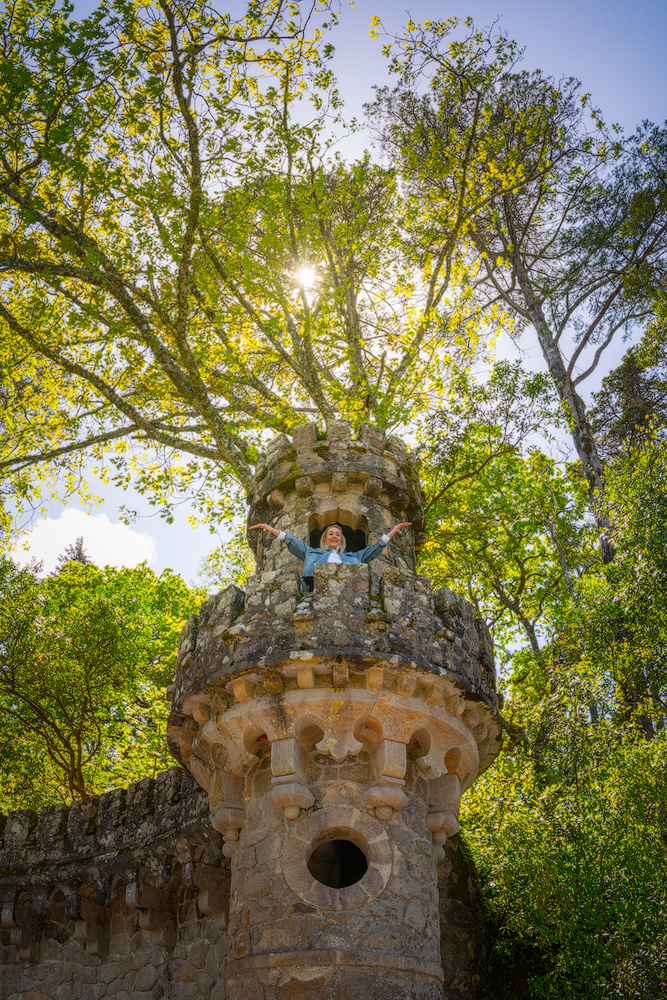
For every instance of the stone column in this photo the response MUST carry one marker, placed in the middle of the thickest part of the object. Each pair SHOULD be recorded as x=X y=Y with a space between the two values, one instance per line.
x=334 y=902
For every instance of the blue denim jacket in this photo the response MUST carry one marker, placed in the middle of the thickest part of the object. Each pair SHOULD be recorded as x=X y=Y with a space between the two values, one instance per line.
x=310 y=556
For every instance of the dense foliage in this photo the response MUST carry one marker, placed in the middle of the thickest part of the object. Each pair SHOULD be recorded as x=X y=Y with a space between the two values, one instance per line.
x=85 y=657
x=568 y=832
x=569 y=827
x=169 y=198
x=564 y=223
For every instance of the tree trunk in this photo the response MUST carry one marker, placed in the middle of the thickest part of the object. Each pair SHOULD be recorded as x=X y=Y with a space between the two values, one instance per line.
x=580 y=428
x=631 y=699
x=532 y=637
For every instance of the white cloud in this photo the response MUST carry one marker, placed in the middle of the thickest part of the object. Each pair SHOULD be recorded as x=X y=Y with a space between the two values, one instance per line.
x=106 y=543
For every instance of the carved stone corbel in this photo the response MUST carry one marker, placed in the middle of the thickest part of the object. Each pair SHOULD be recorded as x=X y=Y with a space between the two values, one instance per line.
x=289 y=792
x=386 y=796
x=444 y=804
x=229 y=822
x=212 y=884
x=157 y=911
x=225 y=795
x=92 y=922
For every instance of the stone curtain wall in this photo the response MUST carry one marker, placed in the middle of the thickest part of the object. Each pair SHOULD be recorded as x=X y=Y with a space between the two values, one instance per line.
x=121 y=896
x=135 y=967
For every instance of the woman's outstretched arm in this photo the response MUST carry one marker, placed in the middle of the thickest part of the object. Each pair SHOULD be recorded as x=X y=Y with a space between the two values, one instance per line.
x=268 y=527
x=371 y=552
x=295 y=545
x=403 y=524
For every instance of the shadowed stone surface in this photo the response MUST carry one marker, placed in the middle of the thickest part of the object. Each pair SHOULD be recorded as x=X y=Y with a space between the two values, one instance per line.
x=122 y=896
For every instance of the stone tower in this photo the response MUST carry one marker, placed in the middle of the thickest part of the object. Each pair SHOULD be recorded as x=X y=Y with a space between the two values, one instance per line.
x=335 y=731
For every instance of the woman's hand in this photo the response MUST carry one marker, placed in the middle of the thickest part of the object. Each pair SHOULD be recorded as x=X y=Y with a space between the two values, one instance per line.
x=267 y=526
x=403 y=524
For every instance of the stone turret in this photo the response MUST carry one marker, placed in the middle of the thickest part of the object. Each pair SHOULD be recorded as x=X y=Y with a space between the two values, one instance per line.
x=335 y=731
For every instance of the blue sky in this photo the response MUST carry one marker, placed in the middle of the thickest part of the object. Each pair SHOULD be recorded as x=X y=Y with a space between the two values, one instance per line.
x=615 y=49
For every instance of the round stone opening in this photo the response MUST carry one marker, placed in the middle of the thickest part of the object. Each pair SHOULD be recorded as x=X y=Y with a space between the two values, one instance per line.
x=338 y=863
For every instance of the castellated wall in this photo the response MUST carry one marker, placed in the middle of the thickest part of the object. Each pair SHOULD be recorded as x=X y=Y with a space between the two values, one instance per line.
x=121 y=896
x=312 y=850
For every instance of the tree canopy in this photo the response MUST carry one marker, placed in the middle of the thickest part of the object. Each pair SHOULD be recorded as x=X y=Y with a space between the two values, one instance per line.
x=631 y=406
x=185 y=262
x=568 y=828
x=85 y=656
x=562 y=222
x=188 y=264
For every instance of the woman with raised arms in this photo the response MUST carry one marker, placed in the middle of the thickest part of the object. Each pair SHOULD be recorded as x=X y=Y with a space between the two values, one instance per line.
x=331 y=549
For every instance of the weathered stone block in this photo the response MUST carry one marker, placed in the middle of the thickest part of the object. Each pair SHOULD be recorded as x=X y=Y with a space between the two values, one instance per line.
x=304 y=437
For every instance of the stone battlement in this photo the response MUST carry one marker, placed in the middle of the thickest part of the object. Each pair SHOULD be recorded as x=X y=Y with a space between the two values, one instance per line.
x=274 y=624
x=365 y=483
x=306 y=463
x=87 y=878
x=102 y=828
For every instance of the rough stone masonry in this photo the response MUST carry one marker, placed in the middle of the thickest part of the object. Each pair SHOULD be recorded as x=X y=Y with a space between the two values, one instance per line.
x=332 y=735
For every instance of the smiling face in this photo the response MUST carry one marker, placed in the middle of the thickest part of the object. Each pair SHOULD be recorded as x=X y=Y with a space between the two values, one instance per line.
x=332 y=538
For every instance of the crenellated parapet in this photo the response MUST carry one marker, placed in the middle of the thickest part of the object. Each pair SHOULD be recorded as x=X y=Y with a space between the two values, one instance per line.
x=264 y=628
x=366 y=483
x=110 y=825
x=67 y=872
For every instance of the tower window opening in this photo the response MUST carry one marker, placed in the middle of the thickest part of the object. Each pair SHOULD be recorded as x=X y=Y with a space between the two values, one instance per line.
x=338 y=863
